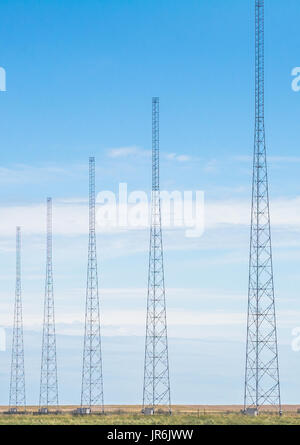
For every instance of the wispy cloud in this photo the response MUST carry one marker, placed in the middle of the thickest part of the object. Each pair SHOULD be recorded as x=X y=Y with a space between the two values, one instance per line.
x=27 y=174
x=38 y=174
x=211 y=166
x=71 y=216
x=285 y=212
x=176 y=157
x=273 y=159
x=194 y=320
x=117 y=319
x=124 y=152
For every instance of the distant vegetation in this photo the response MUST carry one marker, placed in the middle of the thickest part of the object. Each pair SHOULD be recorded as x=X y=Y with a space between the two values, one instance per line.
x=138 y=419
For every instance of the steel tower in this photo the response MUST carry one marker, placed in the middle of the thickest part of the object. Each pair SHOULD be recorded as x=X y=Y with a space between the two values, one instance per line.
x=48 y=385
x=17 y=379
x=262 y=370
x=92 y=379
x=156 y=368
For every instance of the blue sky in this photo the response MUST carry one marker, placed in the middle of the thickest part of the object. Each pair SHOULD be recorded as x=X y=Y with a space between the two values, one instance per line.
x=80 y=77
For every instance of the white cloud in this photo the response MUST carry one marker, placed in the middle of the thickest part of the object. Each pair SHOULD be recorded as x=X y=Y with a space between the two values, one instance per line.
x=26 y=174
x=72 y=200
x=132 y=321
x=176 y=157
x=273 y=159
x=124 y=152
x=183 y=323
x=67 y=219
x=211 y=166
x=285 y=212
x=201 y=313
x=70 y=217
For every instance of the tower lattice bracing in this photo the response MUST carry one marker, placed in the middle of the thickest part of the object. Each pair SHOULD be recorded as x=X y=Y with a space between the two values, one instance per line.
x=156 y=392
x=262 y=372
x=92 y=378
x=17 y=379
x=48 y=384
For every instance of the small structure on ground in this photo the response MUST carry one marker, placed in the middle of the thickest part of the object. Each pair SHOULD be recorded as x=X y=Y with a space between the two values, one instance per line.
x=251 y=412
x=83 y=411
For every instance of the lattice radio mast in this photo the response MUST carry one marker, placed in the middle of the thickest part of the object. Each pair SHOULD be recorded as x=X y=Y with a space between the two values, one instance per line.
x=17 y=380
x=156 y=369
x=262 y=370
x=92 y=378
x=48 y=384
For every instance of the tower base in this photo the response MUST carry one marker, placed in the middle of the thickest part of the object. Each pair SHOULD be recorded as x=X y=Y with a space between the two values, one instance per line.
x=148 y=411
x=44 y=411
x=83 y=411
x=252 y=412
x=13 y=411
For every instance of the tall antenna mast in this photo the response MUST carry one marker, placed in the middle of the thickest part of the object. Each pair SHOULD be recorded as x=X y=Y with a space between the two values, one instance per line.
x=156 y=370
x=49 y=386
x=262 y=370
x=92 y=379
x=17 y=379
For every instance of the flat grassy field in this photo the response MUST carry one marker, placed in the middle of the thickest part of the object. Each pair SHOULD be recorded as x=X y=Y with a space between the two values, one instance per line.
x=228 y=419
x=130 y=415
